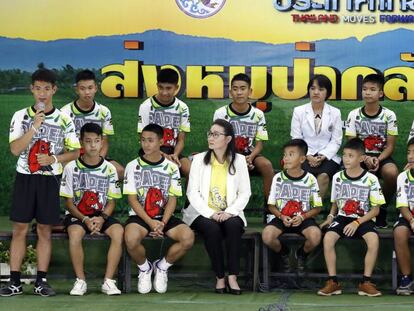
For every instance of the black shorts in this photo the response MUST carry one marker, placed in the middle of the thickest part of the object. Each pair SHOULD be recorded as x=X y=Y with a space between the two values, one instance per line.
x=278 y=223
x=381 y=164
x=70 y=221
x=402 y=222
x=329 y=167
x=172 y=223
x=36 y=197
x=340 y=222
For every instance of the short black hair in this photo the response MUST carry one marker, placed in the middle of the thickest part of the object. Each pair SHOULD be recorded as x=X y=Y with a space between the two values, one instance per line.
x=323 y=82
x=355 y=144
x=45 y=75
x=375 y=78
x=410 y=142
x=85 y=75
x=154 y=128
x=241 y=77
x=300 y=143
x=168 y=75
x=90 y=128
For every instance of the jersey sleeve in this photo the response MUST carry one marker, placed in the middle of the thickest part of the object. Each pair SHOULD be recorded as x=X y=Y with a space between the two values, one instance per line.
x=66 y=184
x=108 y=128
x=350 y=129
x=376 y=197
x=143 y=116
x=334 y=195
x=71 y=139
x=315 y=198
x=16 y=128
x=175 y=186
x=402 y=198
x=411 y=135
x=129 y=183
x=392 y=127
x=114 y=190
x=273 y=191
x=261 y=133
x=185 y=118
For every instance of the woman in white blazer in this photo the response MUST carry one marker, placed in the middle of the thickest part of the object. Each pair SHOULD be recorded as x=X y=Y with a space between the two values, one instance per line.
x=218 y=191
x=320 y=125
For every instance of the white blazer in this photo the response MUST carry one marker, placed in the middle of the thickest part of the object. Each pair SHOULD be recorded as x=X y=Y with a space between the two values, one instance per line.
x=329 y=140
x=238 y=189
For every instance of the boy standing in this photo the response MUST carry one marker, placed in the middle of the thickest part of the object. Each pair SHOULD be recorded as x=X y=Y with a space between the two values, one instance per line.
x=356 y=198
x=171 y=114
x=404 y=227
x=249 y=125
x=90 y=186
x=39 y=135
x=86 y=110
x=376 y=126
x=152 y=184
x=294 y=201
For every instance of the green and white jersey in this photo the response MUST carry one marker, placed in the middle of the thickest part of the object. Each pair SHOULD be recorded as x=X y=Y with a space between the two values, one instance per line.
x=56 y=134
x=89 y=186
x=98 y=114
x=293 y=196
x=405 y=190
x=173 y=118
x=356 y=196
x=372 y=130
x=152 y=183
x=248 y=126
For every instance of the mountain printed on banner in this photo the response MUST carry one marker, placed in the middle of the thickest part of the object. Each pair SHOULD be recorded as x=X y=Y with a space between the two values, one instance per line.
x=380 y=51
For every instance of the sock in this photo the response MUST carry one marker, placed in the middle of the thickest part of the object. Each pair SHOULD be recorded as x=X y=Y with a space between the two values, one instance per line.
x=301 y=252
x=145 y=266
x=15 y=277
x=40 y=276
x=333 y=278
x=284 y=250
x=163 y=264
x=366 y=278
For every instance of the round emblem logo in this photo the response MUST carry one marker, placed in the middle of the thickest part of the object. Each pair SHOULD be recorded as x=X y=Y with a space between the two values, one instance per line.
x=200 y=8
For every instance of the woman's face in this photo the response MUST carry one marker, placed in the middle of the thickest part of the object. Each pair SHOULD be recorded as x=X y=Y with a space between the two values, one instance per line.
x=317 y=93
x=216 y=138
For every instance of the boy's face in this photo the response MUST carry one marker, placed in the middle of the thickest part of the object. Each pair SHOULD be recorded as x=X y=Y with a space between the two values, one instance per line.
x=86 y=90
x=150 y=142
x=352 y=158
x=371 y=92
x=317 y=93
x=240 y=92
x=292 y=158
x=43 y=91
x=92 y=144
x=410 y=154
x=166 y=92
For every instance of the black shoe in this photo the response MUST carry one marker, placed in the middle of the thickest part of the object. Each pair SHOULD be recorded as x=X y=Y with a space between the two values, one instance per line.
x=381 y=223
x=301 y=263
x=11 y=289
x=285 y=264
x=221 y=290
x=233 y=291
x=43 y=289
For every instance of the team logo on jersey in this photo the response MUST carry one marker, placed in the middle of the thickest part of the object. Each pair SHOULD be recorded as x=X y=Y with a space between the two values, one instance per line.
x=292 y=208
x=89 y=203
x=200 y=8
x=154 y=201
x=353 y=207
x=40 y=147
x=242 y=144
x=374 y=143
x=168 y=137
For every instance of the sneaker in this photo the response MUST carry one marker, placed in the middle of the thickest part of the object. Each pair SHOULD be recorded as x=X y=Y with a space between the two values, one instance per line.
x=368 y=289
x=301 y=262
x=43 y=289
x=406 y=287
x=331 y=288
x=144 y=281
x=285 y=264
x=79 y=288
x=11 y=289
x=160 y=278
x=109 y=288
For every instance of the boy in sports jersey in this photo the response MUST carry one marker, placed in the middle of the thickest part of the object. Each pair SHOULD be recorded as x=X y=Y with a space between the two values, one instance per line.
x=90 y=187
x=171 y=114
x=152 y=184
x=86 y=110
x=43 y=138
x=249 y=125
x=404 y=227
x=376 y=126
x=356 y=199
x=294 y=201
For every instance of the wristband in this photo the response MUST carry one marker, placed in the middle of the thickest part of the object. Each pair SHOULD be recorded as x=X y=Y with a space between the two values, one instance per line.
x=85 y=219
x=301 y=217
x=54 y=157
x=104 y=216
x=357 y=222
x=35 y=129
x=331 y=215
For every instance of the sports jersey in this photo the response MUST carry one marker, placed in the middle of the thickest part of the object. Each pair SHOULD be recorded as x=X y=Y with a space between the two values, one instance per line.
x=152 y=183
x=98 y=114
x=294 y=196
x=90 y=186
x=248 y=126
x=405 y=190
x=56 y=134
x=173 y=118
x=372 y=130
x=356 y=196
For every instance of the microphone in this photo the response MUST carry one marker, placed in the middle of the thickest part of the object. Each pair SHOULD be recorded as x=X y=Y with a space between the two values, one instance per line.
x=40 y=106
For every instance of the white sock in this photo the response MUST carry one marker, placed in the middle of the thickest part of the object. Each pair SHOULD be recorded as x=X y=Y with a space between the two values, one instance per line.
x=145 y=266
x=163 y=264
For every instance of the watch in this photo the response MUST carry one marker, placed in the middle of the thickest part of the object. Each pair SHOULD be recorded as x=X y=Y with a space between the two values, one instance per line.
x=104 y=216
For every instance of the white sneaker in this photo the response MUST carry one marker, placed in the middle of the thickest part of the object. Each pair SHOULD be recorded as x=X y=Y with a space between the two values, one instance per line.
x=109 y=287
x=79 y=288
x=160 y=278
x=144 y=281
